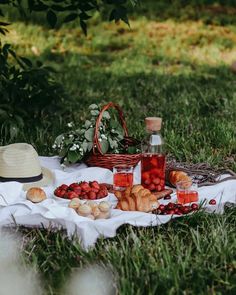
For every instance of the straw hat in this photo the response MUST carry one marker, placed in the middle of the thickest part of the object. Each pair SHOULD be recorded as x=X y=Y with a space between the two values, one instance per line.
x=20 y=162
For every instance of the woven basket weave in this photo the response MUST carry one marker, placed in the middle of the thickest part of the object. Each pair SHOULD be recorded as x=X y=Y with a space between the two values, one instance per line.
x=98 y=159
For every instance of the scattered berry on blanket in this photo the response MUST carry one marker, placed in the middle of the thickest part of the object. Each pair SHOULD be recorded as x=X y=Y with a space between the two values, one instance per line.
x=178 y=209
x=212 y=202
x=168 y=197
x=84 y=190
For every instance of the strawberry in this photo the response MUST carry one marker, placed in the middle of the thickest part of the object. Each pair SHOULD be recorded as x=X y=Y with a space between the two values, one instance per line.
x=71 y=195
x=94 y=184
x=57 y=192
x=63 y=186
x=85 y=186
x=94 y=190
x=77 y=190
x=101 y=194
x=92 y=196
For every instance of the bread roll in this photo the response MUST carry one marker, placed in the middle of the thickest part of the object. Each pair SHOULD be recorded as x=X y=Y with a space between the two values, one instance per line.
x=36 y=195
x=104 y=206
x=74 y=203
x=84 y=210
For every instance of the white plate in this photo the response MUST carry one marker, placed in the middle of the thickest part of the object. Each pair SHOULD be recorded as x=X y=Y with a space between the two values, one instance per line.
x=111 y=198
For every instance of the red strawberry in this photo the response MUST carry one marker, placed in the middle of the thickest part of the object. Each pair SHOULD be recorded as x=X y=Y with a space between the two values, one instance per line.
x=85 y=186
x=57 y=192
x=92 y=196
x=71 y=195
x=77 y=190
x=101 y=194
x=73 y=185
x=94 y=190
x=94 y=184
x=63 y=186
x=162 y=207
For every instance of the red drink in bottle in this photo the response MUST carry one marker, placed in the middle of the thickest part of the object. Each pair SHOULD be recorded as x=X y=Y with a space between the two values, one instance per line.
x=153 y=162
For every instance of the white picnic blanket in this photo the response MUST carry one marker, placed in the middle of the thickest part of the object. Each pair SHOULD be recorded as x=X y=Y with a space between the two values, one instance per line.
x=54 y=212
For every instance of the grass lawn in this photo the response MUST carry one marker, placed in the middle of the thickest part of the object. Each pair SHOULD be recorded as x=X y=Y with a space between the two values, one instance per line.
x=173 y=62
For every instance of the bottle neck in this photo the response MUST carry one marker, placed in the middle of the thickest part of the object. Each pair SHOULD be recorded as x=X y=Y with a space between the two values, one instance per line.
x=154 y=143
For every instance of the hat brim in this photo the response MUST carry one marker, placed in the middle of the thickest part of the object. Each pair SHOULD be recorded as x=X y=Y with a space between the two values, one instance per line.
x=48 y=178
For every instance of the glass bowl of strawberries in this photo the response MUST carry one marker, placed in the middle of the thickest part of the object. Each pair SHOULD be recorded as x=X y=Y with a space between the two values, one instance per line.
x=84 y=190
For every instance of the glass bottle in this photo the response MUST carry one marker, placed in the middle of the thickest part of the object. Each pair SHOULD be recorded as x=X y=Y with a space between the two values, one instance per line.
x=153 y=161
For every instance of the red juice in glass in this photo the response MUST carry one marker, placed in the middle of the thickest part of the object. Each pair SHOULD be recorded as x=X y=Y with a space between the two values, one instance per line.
x=122 y=177
x=153 y=171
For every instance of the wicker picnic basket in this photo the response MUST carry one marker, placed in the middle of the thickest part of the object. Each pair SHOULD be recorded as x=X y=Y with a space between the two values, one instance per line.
x=98 y=159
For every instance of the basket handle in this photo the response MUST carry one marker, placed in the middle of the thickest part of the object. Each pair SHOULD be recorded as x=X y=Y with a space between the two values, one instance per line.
x=99 y=119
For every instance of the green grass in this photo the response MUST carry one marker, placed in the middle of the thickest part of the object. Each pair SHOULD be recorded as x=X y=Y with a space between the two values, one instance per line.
x=173 y=63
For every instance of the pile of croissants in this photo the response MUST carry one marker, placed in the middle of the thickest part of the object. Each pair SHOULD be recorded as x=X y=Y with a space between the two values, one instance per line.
x=138 y=198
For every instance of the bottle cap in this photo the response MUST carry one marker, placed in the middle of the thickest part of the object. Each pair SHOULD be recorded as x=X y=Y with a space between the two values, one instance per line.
x=153 y=123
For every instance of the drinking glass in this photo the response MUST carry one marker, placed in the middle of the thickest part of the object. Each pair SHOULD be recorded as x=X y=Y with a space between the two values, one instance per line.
x=122 y=177
x=187 y=191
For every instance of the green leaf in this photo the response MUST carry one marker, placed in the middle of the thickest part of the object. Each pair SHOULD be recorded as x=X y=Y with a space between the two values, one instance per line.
x=70 y=17
x=90 y=146
x=83 y=27
x=27 y=62
x=51 y=18
x=87 y=123
x=89 y=134
x=73 y=156
x=104 y=145
x=85 y=146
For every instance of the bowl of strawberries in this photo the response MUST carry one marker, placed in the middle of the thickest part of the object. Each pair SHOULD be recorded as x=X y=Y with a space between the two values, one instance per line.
x=84 y=190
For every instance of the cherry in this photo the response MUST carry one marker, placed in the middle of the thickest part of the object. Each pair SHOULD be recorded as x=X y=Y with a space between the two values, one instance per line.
x=156 y=180
x=212 y=202
x=194 y=206
x=158 y=187
x=147 y=181
x=151 y=187
x=168 y=197
x=162 y=207
x=170 y=205
x=185 y=210
x=171 y=212
x=177 y=211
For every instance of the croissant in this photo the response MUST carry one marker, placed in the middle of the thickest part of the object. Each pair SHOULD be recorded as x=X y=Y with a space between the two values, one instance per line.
x=176 y=176
x=136 y=198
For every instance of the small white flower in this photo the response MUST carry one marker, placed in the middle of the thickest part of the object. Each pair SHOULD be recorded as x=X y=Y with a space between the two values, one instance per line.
x=103 y=136
x=54 y=146
x=99 y=139
x=73 y=148
x=63 y=166
x=81 y=150
x=71 y=135
x=91 y=126
x=112 y=130
x=70 y=124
